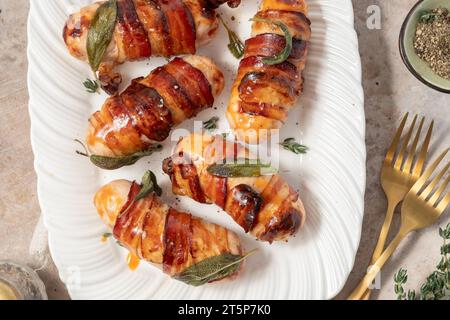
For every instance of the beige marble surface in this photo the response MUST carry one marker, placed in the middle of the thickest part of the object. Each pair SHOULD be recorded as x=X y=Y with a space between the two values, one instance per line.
x=390 y=91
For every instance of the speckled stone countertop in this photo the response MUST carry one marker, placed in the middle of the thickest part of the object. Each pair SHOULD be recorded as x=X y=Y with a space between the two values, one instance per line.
x=390 y=91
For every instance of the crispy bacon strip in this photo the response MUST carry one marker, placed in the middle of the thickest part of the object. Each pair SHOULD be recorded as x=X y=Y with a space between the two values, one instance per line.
x=200 y=90
x=265 y=206
x=177 y=241
x=156 y=233
x=150 y=107
x=217 y=3
x=146 y=108
x=145 y=28
x=132 y=32
x=180 y=25
x=297 y=22
x=263 y=94
x=270 y=44
x=244 y=206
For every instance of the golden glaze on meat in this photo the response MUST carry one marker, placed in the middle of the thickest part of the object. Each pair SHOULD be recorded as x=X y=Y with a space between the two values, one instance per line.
x=263 y=94
x=145 y=28
x=265 y=206
x=150 y=107
x=158 y=234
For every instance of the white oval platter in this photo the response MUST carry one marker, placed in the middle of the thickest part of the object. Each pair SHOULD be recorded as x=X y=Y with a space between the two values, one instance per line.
x=331 y=177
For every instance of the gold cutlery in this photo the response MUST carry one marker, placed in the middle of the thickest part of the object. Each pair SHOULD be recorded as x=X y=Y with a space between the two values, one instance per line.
x=422 y=207
x=399 y=174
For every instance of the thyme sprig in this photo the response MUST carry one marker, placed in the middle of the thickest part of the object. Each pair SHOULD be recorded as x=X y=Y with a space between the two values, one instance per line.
x=211 y=124
x=236 y=46
x=291 y=145
x=437 y=284
x=91 y=86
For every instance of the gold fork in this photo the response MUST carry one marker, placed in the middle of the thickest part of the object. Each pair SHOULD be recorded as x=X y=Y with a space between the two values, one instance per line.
x=422 y=207
x=397 y=177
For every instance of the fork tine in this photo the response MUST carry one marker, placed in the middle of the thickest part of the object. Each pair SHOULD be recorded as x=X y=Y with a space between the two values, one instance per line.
x=418 y=168
x=425 y=193
x=409 y=160
x=391 y=152
x=421 y=182
x=444 y=202
x=401 y=154
x=438 y=192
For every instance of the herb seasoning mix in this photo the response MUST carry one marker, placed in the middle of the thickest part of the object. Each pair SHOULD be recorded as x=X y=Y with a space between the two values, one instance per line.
x=432 y=40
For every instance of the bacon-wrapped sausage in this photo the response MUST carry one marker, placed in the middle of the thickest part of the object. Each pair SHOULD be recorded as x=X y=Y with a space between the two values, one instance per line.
x=147 y=110
x=265 y=206
x=264 y=93
x=145 y=28
x=158 y=234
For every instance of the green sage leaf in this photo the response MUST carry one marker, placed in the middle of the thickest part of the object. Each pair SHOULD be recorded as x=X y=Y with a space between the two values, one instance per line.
x=101 y=32
x=283 y=55
x=241 y=168
x=113 y=163
x=212 y=269
x=149 y=185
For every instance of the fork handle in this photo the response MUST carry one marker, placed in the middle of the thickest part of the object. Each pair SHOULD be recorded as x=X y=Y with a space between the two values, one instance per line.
x=358 y=292
x=384 y=231
x=392 y=204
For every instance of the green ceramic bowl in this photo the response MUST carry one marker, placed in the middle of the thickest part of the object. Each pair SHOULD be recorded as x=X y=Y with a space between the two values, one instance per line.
x=417 y=66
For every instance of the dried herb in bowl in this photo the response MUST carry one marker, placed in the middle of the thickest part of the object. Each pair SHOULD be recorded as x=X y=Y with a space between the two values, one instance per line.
x=432 y=40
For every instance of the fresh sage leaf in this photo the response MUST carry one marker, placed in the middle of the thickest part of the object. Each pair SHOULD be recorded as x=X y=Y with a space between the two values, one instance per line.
x=113 y=163
x=241 y=168
x=283 y=55
x=235 y=46
x=101 y=32
x=149 y=185
x=290 y=145
x=211 y=124
x=212 y=269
